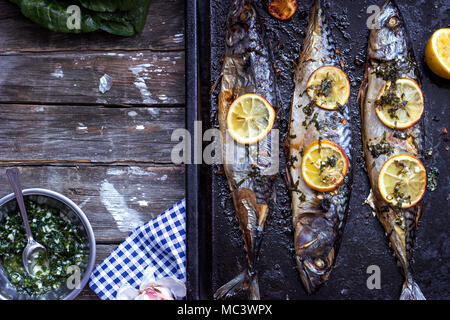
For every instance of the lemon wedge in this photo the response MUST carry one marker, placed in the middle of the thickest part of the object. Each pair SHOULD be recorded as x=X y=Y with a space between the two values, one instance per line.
x=437 y=53
x=282 y=9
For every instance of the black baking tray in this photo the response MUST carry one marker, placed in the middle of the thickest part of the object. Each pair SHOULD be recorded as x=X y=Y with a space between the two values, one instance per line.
x=214 y=247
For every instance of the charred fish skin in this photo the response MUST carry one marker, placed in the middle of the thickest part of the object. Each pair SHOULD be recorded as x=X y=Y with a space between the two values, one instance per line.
x=318 y=217
x=389 y=57
x=247 y=68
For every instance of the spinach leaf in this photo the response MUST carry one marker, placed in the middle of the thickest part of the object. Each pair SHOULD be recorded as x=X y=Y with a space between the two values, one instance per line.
x=120 y=17
x=53 y=15
x=110 y=5
x=138 y=16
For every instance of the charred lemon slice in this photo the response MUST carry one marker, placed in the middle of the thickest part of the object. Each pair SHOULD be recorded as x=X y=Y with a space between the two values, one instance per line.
x=328 y=86
x=324 y=165
x=282 y=9
x=437 y=53
x=400 y=105
x=402 y=181
x=250 y=118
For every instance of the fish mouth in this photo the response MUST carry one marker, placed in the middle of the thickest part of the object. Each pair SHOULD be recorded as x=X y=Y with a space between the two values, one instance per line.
x=387 y=36
x=240 y=10
x=241 y=15
x=311 y=277
x=388 y=11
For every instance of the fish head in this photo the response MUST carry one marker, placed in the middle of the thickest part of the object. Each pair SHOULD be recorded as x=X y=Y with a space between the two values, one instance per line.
x=241 y=19
x=388 y=34
x=314 y=246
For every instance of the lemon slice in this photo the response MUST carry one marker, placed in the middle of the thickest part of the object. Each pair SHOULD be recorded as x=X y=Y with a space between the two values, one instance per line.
x=282 y=9
x=250 y=118
x=400 y=106
x=402 y=181
x=437 y=53
x=324 y=165
x=328 y=86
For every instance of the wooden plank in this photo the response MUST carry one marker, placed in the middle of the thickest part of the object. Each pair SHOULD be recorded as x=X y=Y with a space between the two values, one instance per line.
x=87 y=134
x=164 y=30
x=103 y=251
x=139 y=78
x=116 y=199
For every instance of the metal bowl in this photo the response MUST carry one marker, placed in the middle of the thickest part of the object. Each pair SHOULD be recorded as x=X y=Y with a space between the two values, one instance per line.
x=71 y=211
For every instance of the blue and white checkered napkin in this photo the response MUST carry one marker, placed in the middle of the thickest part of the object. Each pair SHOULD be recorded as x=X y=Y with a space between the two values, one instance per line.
x=161 y=242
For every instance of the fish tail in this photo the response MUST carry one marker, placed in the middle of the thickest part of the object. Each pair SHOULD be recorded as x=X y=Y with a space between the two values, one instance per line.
x=411 y=290
x=246 y=280
x=254 y=286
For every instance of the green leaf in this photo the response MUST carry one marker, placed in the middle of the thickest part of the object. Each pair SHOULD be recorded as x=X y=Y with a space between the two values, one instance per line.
x=138 y=16
x=120 y=17
x=109 y=5
x=53 y=15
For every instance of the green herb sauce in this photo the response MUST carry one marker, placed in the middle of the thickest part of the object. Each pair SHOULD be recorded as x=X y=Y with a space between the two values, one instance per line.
x=391 y=101
x=63 y=241
x=401 y=135
x=382 y=147
x=312 y=121
x=433 y=174
x=309 y=108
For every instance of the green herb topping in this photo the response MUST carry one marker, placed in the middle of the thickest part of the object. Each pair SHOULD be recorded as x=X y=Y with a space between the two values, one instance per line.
x=382 y=147
x=432 y=177
x=63 y=241
x=391 y=101
x=314 y=121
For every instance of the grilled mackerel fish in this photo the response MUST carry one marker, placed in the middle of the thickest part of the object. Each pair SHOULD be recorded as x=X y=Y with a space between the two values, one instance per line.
x=390 y=57
x=247 y=68
x=318 y=217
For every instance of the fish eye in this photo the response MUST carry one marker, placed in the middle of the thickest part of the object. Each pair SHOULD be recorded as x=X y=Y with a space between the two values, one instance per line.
x=246 y=14
x=320 y=263
x=393 y=22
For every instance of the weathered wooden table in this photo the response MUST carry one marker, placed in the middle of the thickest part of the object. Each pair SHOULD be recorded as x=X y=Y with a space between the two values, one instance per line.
x=109 y=153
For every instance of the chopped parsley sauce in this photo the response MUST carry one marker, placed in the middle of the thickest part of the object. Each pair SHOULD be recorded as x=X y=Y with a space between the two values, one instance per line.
x=391 y=101
x=63 y=241
x=382 y=147
x=432 y=177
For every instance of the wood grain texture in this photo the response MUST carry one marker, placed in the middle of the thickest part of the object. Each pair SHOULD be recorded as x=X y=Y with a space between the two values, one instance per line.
x=103 y=251
x=139 y=78
x=85 y=133
x=116 y=199
x=110 y=152
x=164 y=30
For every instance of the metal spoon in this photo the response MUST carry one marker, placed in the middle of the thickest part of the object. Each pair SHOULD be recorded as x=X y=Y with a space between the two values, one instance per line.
x=33 y=247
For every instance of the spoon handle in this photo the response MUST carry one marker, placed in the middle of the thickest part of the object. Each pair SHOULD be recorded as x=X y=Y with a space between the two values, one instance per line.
x=14 y=181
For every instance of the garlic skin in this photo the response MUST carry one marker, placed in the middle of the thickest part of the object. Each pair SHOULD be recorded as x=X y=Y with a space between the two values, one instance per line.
x=153 y=289
x=155 y=292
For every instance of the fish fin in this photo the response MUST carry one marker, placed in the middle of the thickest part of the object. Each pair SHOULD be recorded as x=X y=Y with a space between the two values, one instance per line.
x=215 y=84
x=411 y=290
x=244 y=281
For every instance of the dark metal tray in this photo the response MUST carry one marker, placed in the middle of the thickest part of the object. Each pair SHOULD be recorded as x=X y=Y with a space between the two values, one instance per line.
x=215 y=250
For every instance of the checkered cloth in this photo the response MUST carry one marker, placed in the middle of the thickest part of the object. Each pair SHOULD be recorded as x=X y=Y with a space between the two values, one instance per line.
x=161 y=242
